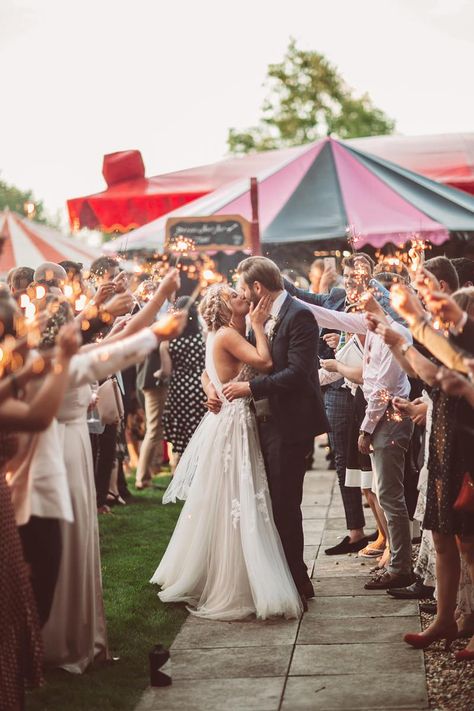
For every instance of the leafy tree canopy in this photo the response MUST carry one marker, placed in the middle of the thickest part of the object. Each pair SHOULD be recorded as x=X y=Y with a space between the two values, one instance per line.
x=308 y=99
x=16 y=199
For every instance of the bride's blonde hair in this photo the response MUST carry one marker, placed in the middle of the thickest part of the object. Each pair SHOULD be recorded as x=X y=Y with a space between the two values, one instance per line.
x=215 y=307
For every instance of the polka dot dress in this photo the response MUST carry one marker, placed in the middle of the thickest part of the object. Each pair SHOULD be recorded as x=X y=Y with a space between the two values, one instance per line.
x=450 y=456
x=20 y=638
x=184 y=407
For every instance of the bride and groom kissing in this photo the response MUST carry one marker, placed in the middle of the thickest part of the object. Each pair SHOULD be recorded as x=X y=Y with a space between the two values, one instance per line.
x=237 y=549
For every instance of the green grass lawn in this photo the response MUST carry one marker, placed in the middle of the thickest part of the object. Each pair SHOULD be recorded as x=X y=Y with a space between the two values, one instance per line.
x=133 y=541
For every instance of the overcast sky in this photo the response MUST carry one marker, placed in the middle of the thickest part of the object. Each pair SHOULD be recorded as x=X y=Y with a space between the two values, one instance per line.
x=169 y=77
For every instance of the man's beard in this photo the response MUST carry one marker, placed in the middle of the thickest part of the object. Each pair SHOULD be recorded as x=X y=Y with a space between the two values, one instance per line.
x=254 y=299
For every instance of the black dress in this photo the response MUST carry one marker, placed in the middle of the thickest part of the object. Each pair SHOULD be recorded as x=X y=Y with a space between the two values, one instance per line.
x=184 y=408
x=450 y=456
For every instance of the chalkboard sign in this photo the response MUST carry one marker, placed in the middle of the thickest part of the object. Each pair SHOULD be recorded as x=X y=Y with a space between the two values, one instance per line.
x=215 y=232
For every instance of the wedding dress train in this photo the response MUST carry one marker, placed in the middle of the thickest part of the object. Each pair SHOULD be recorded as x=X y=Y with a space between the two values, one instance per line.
x=225 y=557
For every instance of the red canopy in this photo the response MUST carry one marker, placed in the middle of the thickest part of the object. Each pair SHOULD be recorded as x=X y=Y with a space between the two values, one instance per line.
x=132 y=199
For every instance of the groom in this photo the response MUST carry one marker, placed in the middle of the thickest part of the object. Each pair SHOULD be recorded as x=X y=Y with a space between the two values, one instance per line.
x=288 y=403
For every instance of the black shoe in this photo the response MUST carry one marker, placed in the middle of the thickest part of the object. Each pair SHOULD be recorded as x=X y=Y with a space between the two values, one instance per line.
x=307 y=589
x=430 y=608
x=415 y=591
x=373 y=536
x=345 y=546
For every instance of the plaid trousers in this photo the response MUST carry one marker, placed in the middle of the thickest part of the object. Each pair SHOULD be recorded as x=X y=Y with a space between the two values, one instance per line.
x=338 y=402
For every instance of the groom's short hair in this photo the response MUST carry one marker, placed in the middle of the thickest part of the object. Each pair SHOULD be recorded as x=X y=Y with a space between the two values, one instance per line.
x=263 y=270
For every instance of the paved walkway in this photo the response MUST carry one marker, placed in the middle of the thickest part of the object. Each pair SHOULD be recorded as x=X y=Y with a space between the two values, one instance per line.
x=346 y=653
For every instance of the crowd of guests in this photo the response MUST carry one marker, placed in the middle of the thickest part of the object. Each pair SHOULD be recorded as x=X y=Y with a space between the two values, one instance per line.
x=397 y=373
x=90 y=384
x=60 y=337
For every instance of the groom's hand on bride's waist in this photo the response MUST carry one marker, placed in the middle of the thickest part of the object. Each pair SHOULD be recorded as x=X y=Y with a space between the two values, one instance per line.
x=233 y=391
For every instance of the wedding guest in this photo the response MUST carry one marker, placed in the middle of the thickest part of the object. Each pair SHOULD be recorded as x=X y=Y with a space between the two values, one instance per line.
x=154 y=394
x=183 y=362
x=465 y=271
x=383 y=379
x=451 y=443
x=20 y=641
x=20 y=280
x=357 y=272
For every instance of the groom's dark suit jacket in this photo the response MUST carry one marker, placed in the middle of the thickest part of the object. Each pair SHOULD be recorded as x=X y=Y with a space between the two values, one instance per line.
x=292 y=388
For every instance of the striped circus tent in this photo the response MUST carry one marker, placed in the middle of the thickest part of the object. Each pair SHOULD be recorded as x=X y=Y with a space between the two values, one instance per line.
x=25 y=243
x=319 y=192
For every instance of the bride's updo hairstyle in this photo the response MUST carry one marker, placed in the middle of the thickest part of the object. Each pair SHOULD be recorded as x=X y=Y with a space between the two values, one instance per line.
x=215 y=307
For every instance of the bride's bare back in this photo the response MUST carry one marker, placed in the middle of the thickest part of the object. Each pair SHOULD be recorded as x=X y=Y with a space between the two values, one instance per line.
x=232 y=351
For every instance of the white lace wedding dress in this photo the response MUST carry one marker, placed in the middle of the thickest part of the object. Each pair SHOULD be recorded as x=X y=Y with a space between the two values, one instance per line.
x=225 y=556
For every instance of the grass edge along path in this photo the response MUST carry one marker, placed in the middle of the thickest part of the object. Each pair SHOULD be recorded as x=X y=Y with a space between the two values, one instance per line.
x=132 y=542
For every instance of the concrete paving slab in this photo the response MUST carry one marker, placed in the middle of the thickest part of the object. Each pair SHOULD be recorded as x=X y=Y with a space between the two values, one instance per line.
x=228 y=663
x=309 y=555
x=357 y=630
x=347 y=659
x=314 y=524
x=215 y=695
x=327 y=566
x=310 y=512
x=367 y=607
x=310 y=499
x=341 y=693
x=313 y=538
x=209 y=634
x=329 y=587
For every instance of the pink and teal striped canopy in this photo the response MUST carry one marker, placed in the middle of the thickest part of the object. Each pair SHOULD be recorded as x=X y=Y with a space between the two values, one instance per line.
x=321 y=190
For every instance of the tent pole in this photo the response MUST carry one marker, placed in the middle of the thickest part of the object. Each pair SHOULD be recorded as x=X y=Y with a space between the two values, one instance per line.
x=254 y=225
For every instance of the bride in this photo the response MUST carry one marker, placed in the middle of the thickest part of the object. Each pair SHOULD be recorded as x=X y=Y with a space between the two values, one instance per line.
x=225 y=557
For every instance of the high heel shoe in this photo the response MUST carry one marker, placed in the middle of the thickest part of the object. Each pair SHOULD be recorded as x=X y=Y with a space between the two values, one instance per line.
x=422 y=641
x=465 y=655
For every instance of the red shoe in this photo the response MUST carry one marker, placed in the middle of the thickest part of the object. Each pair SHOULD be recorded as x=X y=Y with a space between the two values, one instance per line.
x=465 y=655
x=422 y=641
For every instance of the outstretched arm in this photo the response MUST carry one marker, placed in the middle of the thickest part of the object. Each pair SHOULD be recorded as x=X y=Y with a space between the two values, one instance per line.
x=354 y=323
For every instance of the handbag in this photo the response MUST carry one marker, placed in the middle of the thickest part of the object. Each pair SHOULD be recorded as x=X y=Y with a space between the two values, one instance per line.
x=109 y=402
x=465 y=499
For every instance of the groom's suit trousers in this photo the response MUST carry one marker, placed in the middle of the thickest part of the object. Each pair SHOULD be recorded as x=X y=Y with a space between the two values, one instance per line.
x=285 y=464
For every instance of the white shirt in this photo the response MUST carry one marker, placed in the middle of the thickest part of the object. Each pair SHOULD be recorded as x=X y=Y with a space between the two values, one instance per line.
x=383 y=376
x=274 y=312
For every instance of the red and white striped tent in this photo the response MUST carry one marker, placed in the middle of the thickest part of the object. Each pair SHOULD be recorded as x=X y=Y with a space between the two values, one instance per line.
x=25 y=243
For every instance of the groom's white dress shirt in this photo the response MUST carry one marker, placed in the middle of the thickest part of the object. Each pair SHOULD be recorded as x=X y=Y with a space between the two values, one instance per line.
x=383 y=376
x=274 y=312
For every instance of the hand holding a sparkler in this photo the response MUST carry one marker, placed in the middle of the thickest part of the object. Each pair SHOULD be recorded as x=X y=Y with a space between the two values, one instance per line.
x=455 y=384
x=119 y=304
x=406 y=303
x=330 y=364
x=170 y=284
x=171 y=325
x=416 y=410
x=443 y=307
x=389 y=336
x=104 y=293
x=425 y=282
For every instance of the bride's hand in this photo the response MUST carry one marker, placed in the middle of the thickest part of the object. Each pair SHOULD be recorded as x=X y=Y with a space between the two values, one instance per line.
x=260 y=313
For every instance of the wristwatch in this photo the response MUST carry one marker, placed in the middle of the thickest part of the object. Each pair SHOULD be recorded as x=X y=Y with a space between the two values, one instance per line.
x=405 y=347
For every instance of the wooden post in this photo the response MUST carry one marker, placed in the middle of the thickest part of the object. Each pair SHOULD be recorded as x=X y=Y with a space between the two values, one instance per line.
x=254 y=225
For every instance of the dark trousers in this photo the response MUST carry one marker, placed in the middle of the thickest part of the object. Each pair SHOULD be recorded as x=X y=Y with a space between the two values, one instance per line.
x=339 y=406
x=104 y=448
x=42 y=547
x=285 y=465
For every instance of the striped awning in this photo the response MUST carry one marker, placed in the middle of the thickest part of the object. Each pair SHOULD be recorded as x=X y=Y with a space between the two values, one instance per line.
x=25 y=243
x=323 y=190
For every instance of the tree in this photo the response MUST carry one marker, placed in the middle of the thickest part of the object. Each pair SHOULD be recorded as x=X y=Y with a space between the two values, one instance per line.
x=308 y=99
x=17 y=199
